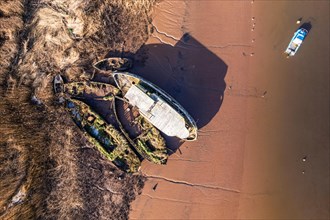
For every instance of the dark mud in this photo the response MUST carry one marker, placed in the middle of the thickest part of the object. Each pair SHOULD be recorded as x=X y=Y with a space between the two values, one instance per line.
x=47 y=168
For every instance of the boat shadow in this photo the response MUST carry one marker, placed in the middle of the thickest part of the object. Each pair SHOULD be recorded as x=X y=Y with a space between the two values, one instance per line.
x=189 y=72
x=307 y=26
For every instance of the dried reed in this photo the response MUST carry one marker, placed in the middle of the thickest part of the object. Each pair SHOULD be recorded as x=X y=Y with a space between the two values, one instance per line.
x=46 y=168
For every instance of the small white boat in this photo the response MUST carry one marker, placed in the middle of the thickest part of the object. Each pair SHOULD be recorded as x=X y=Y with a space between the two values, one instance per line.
x=296 y=41
x=159 y=108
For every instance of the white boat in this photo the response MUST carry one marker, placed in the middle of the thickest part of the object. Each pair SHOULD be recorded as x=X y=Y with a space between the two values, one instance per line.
x=296 y=41
x=159 y=108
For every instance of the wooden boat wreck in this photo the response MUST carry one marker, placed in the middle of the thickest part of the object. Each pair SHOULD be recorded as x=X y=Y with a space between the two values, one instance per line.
x=155 y=105
x=113 y=64
x=89 y=88
x=108 y=140
x=147 y=141
x=150 y=143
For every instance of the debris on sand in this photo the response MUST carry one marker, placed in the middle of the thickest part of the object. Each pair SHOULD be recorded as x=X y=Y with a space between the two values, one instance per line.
x=299 y=21
x=155 y=187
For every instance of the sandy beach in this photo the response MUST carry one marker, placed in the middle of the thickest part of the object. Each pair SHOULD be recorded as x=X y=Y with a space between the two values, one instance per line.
x=263 y=147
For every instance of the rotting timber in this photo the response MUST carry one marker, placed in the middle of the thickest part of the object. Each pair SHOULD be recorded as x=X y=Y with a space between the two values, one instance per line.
x=109 y=141
x=90 y=89
x=113 y=64
x=149 y=143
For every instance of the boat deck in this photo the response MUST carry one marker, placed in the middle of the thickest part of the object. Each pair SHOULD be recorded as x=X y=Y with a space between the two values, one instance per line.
x=158 y=112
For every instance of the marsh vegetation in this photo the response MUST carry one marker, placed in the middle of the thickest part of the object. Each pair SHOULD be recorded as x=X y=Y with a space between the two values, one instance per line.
x=47 y=168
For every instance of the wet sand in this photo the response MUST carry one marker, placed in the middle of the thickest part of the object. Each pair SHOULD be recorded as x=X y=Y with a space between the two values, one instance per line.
x=286 y=161
x=263 y=146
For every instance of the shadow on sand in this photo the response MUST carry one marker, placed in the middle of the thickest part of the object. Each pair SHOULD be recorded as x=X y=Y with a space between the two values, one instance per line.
x=307 y=26
x=189 y=72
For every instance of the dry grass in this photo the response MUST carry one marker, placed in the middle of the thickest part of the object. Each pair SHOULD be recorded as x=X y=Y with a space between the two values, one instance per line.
x=11 y=23
x=46 y=168
x=24 y=159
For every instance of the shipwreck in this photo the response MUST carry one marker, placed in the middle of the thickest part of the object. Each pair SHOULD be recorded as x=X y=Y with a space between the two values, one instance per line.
x=147 y=112
x=159 y=108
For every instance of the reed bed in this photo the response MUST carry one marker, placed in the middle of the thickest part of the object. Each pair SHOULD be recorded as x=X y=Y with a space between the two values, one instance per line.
x=47 y=168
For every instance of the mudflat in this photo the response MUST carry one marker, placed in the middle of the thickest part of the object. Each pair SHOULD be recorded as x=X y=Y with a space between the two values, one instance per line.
x=263 y=146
